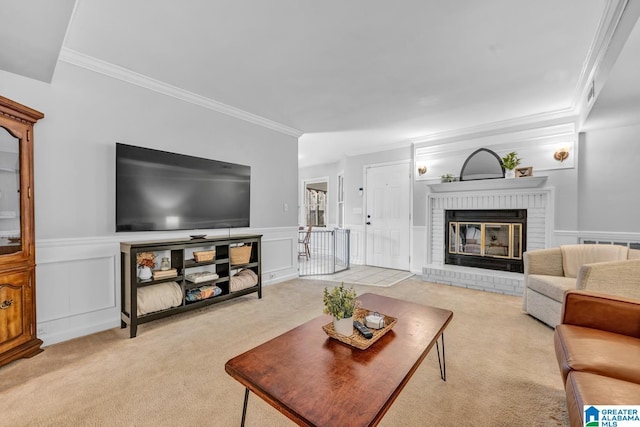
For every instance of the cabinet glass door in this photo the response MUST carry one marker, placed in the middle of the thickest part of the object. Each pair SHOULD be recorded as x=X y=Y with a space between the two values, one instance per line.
x=10 y=232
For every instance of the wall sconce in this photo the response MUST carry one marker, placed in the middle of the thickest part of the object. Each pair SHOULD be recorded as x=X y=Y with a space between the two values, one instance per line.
x=561 y=155
x=422 y=169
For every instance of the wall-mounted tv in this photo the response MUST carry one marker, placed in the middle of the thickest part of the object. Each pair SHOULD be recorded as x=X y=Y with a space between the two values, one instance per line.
x=157 y=190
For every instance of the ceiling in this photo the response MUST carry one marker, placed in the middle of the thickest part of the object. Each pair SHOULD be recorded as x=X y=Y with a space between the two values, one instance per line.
x=349 y=77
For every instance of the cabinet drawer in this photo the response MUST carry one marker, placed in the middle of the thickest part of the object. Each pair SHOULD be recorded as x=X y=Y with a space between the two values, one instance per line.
x=15 y=310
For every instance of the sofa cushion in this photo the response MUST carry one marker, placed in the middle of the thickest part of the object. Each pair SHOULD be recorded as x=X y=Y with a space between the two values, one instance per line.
x=574 y=256
x=551 y=286
x=583 y=388
x=598 y=352
x=634 y=254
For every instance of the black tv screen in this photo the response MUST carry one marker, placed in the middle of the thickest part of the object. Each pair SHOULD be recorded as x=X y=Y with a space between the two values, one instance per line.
x=158 y=190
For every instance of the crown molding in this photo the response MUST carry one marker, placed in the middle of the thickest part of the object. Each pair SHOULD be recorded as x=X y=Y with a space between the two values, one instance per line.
x=597 y=56
x=593 y=64
x=563 y=116
x=78 y=59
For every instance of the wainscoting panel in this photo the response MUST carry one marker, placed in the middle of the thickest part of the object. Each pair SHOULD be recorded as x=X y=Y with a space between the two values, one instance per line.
x=419 y=250
x=357 y=244
x=78 y=280
x=82 y=287
x=279 y=257
x=77 y=287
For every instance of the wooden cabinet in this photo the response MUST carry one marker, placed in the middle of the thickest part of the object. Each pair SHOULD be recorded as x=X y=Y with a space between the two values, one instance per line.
x=17 y=238
x=195 y=278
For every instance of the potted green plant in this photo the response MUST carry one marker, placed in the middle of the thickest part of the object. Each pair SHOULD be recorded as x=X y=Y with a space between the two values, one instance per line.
x=447 y=178
x=509 y=163
x=341 y=303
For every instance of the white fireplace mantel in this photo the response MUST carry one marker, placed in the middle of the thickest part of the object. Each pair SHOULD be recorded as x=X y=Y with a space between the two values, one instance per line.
x=489 y=184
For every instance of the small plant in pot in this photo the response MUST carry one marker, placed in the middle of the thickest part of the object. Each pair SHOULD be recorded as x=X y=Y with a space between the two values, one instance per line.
x=509 y=163
x=447 y=178
x=341 y=303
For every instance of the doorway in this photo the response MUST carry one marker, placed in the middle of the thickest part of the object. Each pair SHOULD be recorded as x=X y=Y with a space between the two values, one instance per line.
x=388 y=215
x=315 y=196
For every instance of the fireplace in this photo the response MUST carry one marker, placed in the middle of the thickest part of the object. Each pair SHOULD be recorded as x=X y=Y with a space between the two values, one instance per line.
x=528 y=194
x=489 y=238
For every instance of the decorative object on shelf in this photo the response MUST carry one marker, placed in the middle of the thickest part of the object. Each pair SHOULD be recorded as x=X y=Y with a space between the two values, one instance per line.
x=357 y=340
x=165 y=264
x=203 y=292
x=561 y=155
x=240 y=254
x=144 y=272
x=422 y=169
x=243 y=279
x=201 y=276
x=447 y=178
x=202 y=256
x=524 y=172
x=146 y=261
x=509 y=163
x=164 y=274
x=341 y=303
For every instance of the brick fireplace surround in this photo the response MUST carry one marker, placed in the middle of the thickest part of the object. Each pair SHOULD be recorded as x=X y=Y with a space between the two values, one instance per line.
x=519 y=193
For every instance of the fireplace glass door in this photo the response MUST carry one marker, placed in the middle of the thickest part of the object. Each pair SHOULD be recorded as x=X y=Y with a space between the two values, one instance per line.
x=486 y=239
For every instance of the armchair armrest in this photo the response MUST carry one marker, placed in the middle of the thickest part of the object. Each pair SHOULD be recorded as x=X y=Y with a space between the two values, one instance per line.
x=543 y=261
x=615 y=314
x=612 y=277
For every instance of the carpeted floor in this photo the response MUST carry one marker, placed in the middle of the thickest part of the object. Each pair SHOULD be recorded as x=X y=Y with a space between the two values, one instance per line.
x=501 y=368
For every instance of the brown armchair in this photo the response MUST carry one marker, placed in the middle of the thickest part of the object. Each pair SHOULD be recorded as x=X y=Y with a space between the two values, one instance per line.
x=597 y=347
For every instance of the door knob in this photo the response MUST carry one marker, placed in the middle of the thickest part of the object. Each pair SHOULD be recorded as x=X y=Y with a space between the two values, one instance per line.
x=368 y=223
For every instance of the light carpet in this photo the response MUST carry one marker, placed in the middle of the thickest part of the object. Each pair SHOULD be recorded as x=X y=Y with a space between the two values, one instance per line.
x=501 y=368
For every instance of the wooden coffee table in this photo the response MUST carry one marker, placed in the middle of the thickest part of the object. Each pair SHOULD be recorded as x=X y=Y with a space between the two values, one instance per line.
x=316 y=380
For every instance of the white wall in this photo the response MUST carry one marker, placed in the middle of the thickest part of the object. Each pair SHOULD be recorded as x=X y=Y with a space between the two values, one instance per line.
x=77 y=250
x=609 y=184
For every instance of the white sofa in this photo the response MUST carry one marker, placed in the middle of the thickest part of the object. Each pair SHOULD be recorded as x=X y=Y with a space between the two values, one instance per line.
x=548 y=273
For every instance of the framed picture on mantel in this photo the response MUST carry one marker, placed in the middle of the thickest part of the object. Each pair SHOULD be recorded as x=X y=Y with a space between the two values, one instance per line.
x=524 y=172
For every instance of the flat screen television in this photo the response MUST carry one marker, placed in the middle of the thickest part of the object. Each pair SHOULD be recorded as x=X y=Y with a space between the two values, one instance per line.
x=158 y=191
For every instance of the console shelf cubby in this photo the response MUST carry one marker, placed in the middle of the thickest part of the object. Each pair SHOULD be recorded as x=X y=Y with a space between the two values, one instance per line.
x=180 y=252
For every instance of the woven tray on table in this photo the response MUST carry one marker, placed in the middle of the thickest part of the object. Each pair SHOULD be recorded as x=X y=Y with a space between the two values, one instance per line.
x=357 y=340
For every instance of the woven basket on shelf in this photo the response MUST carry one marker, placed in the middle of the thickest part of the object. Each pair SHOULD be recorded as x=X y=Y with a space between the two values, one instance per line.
x=201 y=256
x=240 y=254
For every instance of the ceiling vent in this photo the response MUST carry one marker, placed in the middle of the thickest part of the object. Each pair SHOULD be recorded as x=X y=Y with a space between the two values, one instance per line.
x=592 y=92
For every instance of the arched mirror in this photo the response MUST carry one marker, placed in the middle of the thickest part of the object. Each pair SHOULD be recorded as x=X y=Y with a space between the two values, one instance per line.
x=10 y=232
x=482 y=164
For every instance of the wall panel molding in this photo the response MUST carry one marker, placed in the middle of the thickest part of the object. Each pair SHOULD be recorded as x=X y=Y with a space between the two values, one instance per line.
x=78 y=289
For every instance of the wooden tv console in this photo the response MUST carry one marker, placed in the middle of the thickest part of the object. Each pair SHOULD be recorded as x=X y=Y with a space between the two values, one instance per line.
x=180 y=254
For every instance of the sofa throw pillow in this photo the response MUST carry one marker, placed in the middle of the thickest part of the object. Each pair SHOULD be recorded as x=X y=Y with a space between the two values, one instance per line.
x=575 y=256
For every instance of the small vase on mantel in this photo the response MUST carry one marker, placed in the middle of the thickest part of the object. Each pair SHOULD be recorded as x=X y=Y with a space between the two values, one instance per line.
x=509 y=173
x=343 y=326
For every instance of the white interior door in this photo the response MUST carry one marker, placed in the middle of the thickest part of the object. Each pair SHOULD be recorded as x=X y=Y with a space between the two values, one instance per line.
x=387 y=218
